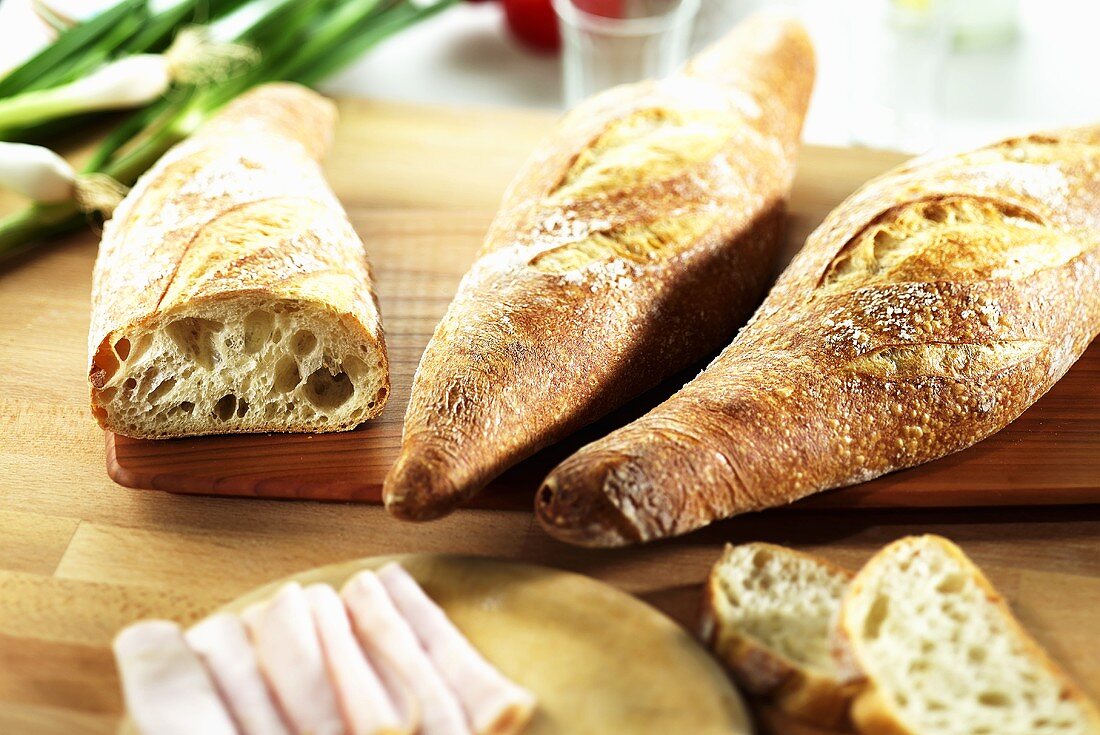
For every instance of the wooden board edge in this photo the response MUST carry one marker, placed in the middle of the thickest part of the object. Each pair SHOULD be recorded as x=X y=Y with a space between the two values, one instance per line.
x=877 y=494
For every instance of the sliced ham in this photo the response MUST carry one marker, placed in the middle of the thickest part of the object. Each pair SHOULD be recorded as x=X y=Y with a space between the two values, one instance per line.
x=222 y=644
x=390 y=641
x=493 y=704
x=166 y=688
x=289 y=652
x=367 y=707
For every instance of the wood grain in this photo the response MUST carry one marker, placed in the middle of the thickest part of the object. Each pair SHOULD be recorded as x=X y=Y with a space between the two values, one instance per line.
x=81 y=556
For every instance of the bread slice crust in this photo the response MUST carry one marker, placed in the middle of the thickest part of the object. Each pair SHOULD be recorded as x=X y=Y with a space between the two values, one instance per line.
x=881 y=709
x=817 y=691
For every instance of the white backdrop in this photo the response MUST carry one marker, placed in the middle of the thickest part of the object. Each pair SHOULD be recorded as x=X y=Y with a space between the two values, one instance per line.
x=1047 y=77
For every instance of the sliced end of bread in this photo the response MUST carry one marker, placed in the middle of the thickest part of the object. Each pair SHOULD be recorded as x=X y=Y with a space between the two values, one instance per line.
x=943 y=654
x=769 y=614
x=247 y=364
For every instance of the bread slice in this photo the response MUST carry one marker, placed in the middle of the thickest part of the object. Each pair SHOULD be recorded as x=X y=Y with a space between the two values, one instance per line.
x=768 y=613
x=943 y=654
x=231 y=292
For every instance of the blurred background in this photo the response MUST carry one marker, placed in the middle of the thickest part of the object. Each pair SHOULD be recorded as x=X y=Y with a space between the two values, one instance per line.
x=913 y=75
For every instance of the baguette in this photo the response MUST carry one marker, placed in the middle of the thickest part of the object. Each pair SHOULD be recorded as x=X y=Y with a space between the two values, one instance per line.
x=944 y=655
x=768 y=614
x=231 y=293
x=927 y=312
x=633 y=242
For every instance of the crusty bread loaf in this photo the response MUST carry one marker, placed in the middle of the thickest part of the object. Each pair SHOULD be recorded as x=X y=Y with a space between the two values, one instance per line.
x=944 y=655
x=769 y=613
x=927 y=312
x=231 y=293
x=632 y=243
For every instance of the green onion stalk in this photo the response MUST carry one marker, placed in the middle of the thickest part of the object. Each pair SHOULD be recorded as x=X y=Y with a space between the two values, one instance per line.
x=301 y=41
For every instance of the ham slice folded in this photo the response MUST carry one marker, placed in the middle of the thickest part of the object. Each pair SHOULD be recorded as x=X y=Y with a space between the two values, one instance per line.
x=221 y=641
x=166 y=688
x=289 y=652
x=366 y=706
x=493 y=704
x=390 y=641
x=382 y=659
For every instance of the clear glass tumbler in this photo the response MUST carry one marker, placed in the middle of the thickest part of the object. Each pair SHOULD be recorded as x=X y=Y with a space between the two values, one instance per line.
x=611 y=42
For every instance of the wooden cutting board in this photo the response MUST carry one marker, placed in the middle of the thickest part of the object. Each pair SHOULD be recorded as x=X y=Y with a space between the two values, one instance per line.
x=549 y=631
x=388 y=163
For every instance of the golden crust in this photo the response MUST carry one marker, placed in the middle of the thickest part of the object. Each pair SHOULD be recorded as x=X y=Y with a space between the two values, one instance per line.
x=873 y=717
x=927 y=311
x=763 y=672
x=872 y=714
x=238 y=210
x=799 y=692
x=633 y=241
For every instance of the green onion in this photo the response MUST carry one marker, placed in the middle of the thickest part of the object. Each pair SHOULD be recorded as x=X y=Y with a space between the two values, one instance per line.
x=68 y=49
x=298 y=40
x=123 y=30
x=36 y=172
x=128 y=82
x=59 y=23
x=157 y=33
x=193 y=58
x=355 y=43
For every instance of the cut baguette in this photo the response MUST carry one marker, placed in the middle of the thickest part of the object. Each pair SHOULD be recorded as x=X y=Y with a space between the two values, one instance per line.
x=943 y=654
x=768 y=613
x=231 y=293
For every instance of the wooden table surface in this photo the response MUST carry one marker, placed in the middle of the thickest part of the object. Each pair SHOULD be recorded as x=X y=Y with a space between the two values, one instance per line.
x=81 y=557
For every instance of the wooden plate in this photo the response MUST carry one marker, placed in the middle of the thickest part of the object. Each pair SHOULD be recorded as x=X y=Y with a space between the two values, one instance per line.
x=599 y=660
